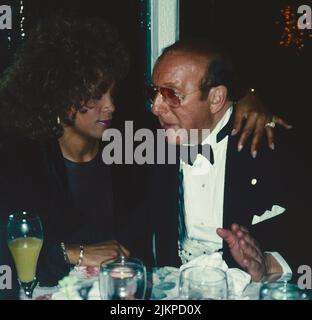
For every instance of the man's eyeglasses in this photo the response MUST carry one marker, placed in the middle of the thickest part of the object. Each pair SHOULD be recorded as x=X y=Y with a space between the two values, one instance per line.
x=172 y=98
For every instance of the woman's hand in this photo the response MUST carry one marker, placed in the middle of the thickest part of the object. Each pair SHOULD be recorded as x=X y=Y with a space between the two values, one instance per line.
x=259 y=119
x=95 y=254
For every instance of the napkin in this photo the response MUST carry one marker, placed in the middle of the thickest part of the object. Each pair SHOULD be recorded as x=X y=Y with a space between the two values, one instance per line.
x=78 y=278
x=168 y=274
x=237 y=279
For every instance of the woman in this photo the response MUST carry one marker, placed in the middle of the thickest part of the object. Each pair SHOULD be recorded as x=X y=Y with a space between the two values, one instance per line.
x=59 y=92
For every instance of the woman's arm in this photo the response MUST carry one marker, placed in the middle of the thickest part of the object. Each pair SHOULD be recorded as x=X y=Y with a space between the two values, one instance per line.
x=93 y=255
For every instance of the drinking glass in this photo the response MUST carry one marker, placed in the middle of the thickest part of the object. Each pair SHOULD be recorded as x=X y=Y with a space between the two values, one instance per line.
x=25 y=238
x=277 y=286
x=123 y=279
x=203 y=283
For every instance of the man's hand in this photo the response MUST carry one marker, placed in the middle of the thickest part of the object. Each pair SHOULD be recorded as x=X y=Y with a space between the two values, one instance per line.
x=94 y=254
x=246 y=252
x=257 y=115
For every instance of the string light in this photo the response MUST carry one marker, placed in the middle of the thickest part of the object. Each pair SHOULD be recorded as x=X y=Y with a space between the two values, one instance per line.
x=9 y=40
x=22 y=19
x=292 y=36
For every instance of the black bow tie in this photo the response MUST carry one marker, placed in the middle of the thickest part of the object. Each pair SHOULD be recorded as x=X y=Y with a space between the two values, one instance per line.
x=189 y=153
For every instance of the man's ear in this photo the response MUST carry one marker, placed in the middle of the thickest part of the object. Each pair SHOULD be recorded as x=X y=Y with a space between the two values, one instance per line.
x=217 y=98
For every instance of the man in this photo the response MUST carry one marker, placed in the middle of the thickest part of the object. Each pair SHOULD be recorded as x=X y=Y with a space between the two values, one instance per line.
x=208 y=205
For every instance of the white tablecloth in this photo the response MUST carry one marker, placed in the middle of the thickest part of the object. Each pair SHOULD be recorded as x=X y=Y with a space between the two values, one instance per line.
x=58 y=293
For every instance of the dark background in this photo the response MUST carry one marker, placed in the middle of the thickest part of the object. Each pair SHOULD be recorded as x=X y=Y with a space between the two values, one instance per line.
x=281 y=76
x=124 y=15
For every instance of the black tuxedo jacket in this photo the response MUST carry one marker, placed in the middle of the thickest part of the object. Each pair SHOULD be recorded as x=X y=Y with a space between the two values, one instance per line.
x=282 y=178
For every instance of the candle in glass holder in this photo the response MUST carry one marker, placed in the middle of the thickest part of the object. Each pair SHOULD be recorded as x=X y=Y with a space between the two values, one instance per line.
x=124 y=283
x=122 y=273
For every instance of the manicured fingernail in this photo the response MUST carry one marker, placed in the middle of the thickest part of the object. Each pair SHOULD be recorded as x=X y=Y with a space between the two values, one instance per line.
x=272 y=146
x=233 y=132
x=254 y=154
x=240 y=148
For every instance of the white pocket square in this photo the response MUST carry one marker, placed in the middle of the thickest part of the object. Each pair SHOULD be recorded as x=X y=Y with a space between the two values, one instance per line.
x=275 y=211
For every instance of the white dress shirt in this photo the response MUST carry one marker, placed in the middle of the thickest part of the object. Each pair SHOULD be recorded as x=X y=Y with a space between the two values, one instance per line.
x=203 y=185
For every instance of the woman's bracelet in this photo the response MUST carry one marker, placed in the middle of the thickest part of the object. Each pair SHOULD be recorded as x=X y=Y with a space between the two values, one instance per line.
x=80 y=256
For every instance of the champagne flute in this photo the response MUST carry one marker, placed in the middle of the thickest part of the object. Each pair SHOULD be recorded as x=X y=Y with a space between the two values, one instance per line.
x=25 y=238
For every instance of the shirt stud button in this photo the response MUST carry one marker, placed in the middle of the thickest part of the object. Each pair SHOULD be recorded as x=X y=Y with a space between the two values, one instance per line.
x=254 y=182
x=203 y=185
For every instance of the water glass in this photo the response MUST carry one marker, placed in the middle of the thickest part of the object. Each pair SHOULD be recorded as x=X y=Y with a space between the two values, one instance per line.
x=203 y=283
x=276 y=286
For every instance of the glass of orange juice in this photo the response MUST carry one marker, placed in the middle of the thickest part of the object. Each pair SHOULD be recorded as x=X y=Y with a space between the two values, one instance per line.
x=25 y=238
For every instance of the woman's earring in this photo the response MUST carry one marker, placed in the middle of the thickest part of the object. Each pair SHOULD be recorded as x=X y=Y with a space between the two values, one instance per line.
x=58 y=120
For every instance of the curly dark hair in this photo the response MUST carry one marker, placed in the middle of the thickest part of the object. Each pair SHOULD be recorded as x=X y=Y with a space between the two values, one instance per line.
x=64 y=63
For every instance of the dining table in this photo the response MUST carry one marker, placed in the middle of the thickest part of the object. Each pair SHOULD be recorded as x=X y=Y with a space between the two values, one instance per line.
x=71 y=287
